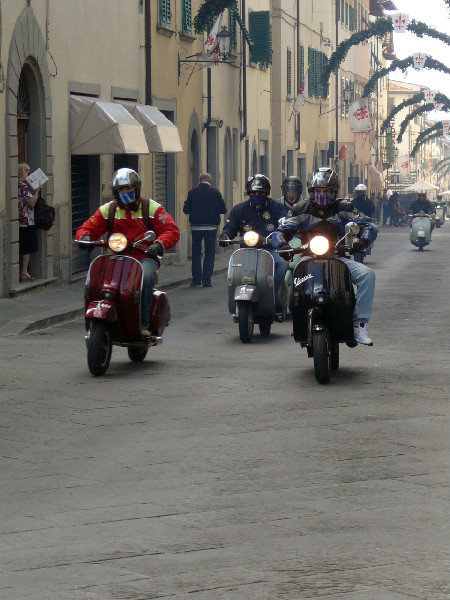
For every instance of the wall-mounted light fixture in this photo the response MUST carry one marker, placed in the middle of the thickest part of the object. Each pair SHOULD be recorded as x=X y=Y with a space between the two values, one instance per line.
x=223 y=39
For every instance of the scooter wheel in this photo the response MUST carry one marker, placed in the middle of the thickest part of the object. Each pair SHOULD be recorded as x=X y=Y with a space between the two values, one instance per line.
x=321 y=350
x=246 y=322
x=265 y=325
x=99 y=348
x=136 y=354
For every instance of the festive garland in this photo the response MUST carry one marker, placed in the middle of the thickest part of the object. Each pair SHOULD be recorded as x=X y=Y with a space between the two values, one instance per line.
x=427 y=135
x=209 y=11
x=413 y=100
x=442 y=164
x=378 y=28
x=408 y=102
x=418 y=111
x=430 y=63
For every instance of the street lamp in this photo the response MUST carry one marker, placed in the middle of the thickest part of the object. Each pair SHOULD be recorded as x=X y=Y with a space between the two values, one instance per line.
x=348 y=94
x=223 y=46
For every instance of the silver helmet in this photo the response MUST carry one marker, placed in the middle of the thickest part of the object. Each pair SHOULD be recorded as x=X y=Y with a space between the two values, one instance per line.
x=127 y=177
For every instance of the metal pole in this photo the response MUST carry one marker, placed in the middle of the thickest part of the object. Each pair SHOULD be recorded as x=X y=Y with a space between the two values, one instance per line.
x=298 y=72
x=148 y=53
x=336 y=91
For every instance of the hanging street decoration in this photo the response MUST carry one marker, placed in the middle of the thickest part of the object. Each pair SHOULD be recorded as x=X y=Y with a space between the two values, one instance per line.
x=301 y=98
x=419 y=59
x=359 y=116
x=442 y=164
x=438 y=105
x=378 y=28
x=424 y=108
x=430 y=63
x=429 y=95
x=440 y=99
x=400 y=22
x=403 y=165
x=209 y=11
x=445 y=127
x=427 y=135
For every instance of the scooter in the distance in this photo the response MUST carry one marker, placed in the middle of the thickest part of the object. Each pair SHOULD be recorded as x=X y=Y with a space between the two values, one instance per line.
x=112 y=296
x=251 y=292
x=420 y=235
x=440 y=216
x=323 y=300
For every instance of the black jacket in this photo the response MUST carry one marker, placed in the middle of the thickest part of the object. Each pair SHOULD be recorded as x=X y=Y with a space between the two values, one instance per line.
x=245 y=218
x=204 y=205
x=418 y=205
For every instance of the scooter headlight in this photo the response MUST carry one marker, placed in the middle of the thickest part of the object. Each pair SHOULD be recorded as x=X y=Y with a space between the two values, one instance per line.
x=251 y=238
x=319 y=245
x=117 y=242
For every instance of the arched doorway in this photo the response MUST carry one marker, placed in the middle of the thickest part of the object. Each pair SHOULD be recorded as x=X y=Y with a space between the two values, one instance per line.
x=30 y=141
x=194 y=161
x=228 y=170
x=28 y=137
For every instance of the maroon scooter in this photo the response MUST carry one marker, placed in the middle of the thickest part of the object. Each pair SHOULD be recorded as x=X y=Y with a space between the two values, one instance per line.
x=112 y=295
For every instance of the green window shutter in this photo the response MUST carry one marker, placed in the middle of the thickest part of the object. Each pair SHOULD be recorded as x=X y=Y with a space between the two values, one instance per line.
x=165 y=14
x=261 y=35
x=351 y=18
x=338 y=7
x=324 y=66
x=318 y=74
x=346 y=14
x=311 y=72
x=342 y=11
x=232 y=29
x=289 y=73
x=187 y=15
x=301 y=66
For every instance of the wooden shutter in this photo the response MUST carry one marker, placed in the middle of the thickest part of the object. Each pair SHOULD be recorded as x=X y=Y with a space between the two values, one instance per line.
x=311 y=72
x=288 y=73
x=301 y=66
x=232 y=29
x=261 y=35
x=187 y=15
x=165 y=15
x=160 y=178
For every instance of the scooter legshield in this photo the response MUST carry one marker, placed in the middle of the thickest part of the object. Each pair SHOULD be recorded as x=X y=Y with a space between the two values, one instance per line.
x=117 y=279
x=252 y=268
x=329 y=279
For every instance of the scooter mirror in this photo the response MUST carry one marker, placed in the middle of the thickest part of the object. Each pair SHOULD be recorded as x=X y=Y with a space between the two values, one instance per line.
x=352 y=228
x=150 y=236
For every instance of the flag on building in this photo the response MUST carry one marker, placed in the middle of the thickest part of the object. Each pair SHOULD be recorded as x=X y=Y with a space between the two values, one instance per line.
x=403 y=165
x=211 y=46
x=429 y=95
x=419 y=59
x=301 y=97
x=359 y=115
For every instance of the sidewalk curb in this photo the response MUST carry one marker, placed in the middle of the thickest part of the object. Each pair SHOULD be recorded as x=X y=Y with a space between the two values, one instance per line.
x=75 y=313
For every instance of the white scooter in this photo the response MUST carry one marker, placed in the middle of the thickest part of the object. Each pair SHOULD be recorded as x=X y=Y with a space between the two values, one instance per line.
x=420 y=235
x=439 y=219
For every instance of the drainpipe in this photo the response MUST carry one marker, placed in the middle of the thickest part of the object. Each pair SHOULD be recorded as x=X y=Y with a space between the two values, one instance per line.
x=298 y=70
x=244 y=77
x=148 y=53
x=208 y=97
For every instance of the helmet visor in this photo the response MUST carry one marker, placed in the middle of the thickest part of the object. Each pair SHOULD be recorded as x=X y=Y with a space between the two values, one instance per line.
x=322 y=197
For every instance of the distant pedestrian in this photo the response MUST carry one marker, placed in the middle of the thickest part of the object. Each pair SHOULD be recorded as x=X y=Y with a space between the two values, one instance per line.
x=28 y=242
x=392 y=201
x=385 y=199
x=204 y=205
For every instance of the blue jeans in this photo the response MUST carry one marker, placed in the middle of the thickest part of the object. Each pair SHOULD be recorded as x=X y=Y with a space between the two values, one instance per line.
x=208 y=237
x=149 y=267
x=364 y=279
x=281 y=266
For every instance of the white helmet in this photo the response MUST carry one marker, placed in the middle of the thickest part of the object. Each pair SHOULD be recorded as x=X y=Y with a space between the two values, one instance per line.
x=361 y=188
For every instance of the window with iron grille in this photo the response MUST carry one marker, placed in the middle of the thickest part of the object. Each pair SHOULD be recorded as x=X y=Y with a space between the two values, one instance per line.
x=165 y=14
x=261 y=34
x=186 y=11
x=288 y=73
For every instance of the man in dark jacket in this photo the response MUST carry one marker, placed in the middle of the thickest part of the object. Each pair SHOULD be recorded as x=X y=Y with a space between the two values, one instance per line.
x=204 y=205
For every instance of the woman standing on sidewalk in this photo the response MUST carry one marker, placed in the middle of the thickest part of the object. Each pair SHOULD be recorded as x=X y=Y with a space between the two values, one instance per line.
x=28 y=243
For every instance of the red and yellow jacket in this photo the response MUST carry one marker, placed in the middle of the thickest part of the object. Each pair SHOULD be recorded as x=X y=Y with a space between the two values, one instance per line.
x=132 y=225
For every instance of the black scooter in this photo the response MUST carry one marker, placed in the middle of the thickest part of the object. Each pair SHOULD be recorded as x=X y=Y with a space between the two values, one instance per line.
x=323 y=300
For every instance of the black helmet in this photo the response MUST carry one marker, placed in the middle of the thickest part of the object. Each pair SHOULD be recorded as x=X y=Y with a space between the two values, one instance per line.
x=292 y=182
x=258 y=183
x=324 y=178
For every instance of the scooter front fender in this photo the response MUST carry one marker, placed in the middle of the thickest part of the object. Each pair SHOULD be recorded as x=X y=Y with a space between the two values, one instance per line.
x=101 y=309
x=247 y=293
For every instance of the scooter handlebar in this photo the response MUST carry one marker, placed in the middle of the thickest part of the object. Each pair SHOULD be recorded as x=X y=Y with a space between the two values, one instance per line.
x=89 y=244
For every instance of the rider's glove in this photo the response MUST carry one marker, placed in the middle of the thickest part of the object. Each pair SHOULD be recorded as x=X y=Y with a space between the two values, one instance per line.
x=85 y=238
x=360 y=245
x=223 y=240
x=155 y=251
x=288 y=253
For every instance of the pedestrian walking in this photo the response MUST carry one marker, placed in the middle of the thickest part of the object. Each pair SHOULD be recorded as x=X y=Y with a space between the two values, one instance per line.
x=385 y=198
x=28 y=242
x=204 y=205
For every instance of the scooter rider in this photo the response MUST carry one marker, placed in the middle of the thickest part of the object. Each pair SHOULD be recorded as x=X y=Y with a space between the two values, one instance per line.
x=361 y=202
x=325 y=213
x=421 y=203
x=261 y=214
x=292 y=188
x=130 y=214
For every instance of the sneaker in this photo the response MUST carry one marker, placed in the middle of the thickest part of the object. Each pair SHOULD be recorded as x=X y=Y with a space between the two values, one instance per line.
x=145 y=333
x=360 y=333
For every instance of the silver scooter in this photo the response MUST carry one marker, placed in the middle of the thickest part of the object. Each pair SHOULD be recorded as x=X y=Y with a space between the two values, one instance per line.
x=420 y=235
x=251 y=291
